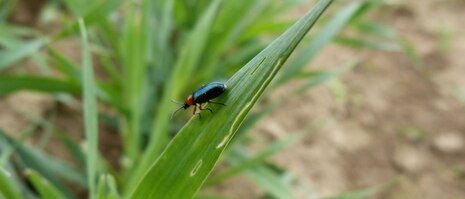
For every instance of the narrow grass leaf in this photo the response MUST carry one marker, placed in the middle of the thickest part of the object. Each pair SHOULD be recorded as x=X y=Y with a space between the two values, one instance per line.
x=7 y=188
x=65 y=66
x=133 y=57
x=193 y=152
x=409 y=50
x=90 y=112
x=6 y=7
x=92 y=13
x=190 y=57
x=232 y=20
x=10 y=56
x=107 y=188
x=366 y=43
x=9 y=84
x=160 y=56
x=266 y=178
x=8 y=149
x=72 y=146
x=185 y=66
x=326 y=35
x=371 y=27
x=48 y=166
x=257 y=159
x=43 y=186
x=106 y=92
x=319 y=78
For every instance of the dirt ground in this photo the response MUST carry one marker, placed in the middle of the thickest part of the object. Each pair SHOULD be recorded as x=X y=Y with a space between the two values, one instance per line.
x=385 y=121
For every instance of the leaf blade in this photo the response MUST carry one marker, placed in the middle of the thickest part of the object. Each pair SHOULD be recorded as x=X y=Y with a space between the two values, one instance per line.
x=7 y=188
x=13 y=55
x=13 y=83
x=45 y=188
x=90 y=112
x=196 y=148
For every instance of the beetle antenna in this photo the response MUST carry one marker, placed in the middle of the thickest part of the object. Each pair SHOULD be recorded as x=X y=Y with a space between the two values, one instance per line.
x=174 y=113
x=176 y=102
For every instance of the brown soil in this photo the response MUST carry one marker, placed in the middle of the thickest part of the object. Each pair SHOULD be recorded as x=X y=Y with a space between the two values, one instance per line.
x=392 y=122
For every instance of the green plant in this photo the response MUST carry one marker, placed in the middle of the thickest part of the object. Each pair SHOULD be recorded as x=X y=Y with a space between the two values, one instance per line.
x=150 y=52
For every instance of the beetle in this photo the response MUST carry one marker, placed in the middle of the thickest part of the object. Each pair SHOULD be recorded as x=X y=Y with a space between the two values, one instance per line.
x=203 y=95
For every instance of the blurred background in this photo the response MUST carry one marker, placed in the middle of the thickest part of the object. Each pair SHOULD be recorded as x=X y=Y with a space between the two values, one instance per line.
x=384 y=117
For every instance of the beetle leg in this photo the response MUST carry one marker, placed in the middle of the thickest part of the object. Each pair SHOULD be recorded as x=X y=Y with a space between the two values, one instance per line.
x=216 y=103
x=204 y=108
x=195 y=110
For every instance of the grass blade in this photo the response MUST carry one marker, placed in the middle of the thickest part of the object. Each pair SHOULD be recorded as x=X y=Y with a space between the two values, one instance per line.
x=64 y=65
x=45 y=189
x=257 y=159
x=323 y=37
x=323 y=76
x=48 y=166
x=107 y=188
x=133 y=57
x=7 y=188
x=9 y=84
x=72 y=147
x=192 y=154
x=189 y=59
x=90 y=112
x=13 y=55
x=265 y=177
x=366 y=43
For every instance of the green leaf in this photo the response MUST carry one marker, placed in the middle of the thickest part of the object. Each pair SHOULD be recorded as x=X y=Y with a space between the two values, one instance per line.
x=90 y=112
x=263 y=176
x=107 y=188
x=48 y=166
x=410 y=51
x=13 y=55
x=366 y=43
x=43 y=186
x=257 y=159
x=72 y=146
x=370 y=27
x=185 y=66
x=134 y=66
x=326 y=35
x=193 y=152
x=7 y=188
x=323 y=76
x=65 y=66
x=232 y=20
x=10 y=84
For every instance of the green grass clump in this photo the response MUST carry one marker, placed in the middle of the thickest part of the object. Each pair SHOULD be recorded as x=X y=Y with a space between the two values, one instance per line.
x=148 y=53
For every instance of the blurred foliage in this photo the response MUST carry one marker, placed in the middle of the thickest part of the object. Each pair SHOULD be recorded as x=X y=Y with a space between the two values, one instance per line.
x=148 y=53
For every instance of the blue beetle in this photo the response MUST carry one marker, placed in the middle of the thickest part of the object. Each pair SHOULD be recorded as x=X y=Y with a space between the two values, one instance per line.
x=203 y=95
